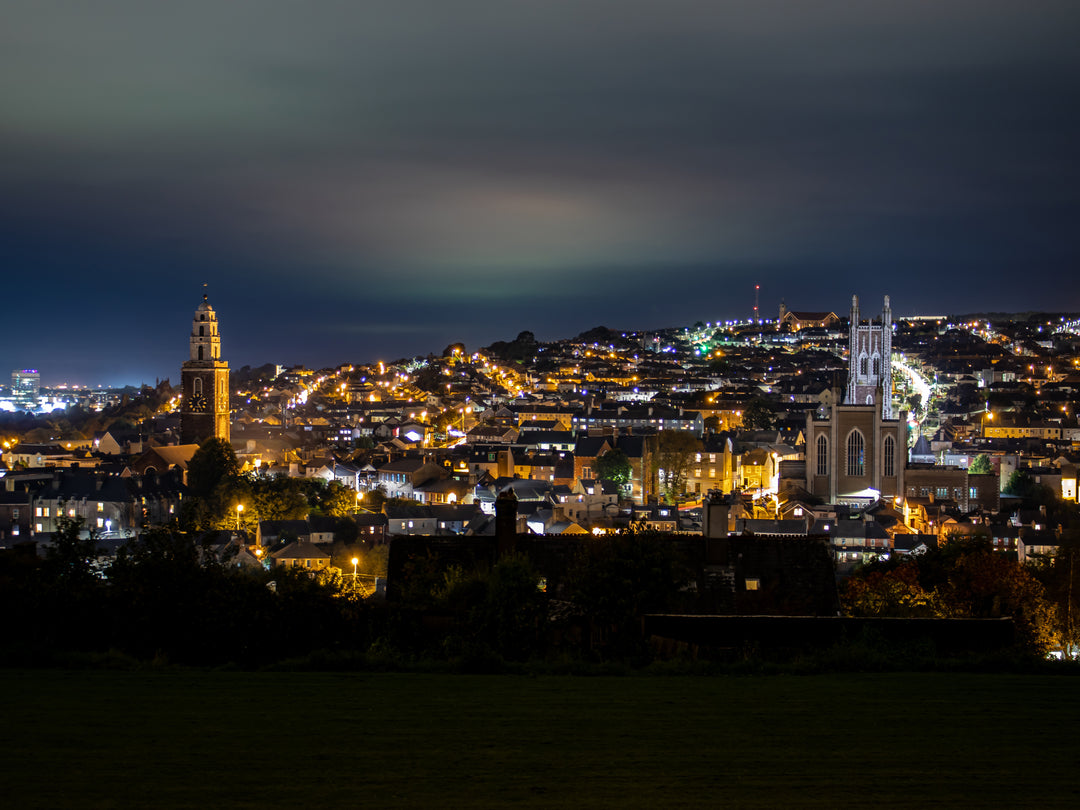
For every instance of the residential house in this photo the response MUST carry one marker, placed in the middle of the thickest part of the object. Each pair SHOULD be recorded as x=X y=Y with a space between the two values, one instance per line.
x=302 y=554
x=401 y=478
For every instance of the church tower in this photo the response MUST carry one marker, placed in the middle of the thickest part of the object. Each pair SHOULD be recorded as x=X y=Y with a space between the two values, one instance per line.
x=856 y=452
x=204 y=407
x=870 y=360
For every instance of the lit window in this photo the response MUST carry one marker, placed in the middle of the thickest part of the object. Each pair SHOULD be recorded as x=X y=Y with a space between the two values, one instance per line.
x=856 y=449
x=100 y=506
x=753 y=583
x=37 y=527
x=37 y=512
x=101 y=523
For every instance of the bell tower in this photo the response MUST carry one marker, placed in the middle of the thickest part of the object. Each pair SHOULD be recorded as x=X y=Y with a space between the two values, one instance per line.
x=204 y=407
x=870 y=360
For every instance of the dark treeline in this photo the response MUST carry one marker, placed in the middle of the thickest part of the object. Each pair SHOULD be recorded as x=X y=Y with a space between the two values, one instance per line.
x=166 y=597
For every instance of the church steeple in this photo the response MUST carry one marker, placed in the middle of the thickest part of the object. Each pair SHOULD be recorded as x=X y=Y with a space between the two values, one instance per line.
x=870 y=360
x=205 y=340
x=204 y=410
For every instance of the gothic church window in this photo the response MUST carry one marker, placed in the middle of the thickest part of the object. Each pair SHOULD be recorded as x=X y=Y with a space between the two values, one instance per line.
x=862 y=365
x=888 y=455
x=856 y=452
x=877 y=365
x=822 y=455
x=196 y=386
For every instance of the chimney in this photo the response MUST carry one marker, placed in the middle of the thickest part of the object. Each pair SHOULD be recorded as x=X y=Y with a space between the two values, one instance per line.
x=505 y=523
x=717 y=517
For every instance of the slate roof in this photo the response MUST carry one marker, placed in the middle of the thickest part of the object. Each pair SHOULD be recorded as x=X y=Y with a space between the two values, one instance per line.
x=301 y=550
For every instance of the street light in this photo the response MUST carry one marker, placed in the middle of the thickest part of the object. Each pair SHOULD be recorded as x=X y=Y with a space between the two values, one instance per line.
x=354 y=562
x=239 y=509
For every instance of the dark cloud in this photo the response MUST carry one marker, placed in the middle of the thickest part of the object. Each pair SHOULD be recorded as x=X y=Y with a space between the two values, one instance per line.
x=361 y=179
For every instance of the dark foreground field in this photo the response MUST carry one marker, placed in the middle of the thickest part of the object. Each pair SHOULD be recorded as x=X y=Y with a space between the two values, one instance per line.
x=168 y=739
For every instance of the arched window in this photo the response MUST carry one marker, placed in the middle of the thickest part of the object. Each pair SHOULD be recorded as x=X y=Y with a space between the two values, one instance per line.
x=856 y=452
x=201 y=330
x=200 y=352
x=196 y=386
x=888 y=457
x=862 y=365
x=876 y=365
x=822 y=455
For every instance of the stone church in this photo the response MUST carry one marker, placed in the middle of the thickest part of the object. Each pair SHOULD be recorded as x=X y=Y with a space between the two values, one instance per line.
x=856 y=451
x=204 y=409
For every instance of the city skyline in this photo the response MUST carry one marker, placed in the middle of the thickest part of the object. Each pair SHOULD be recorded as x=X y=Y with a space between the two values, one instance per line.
x=358 y=184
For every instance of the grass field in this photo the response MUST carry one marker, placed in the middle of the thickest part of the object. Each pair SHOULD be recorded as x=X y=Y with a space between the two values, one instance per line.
x=166 y=739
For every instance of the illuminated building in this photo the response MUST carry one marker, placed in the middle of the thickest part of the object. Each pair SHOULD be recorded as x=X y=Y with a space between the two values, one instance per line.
x=25 y=388
x=204 y=409
x=857 y=451
x=870 y=360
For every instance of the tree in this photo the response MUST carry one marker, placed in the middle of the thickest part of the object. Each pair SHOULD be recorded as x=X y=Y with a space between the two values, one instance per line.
x=613 y=466
x=671 y=460
x=375 y=498
x=212 y=466
x=892 y=592
x=964 y=578
x=216 y=486
x=758 y=415
x=71 y=556
x=337 y=500
x=981 y=465
x=279 y=498
x=988 y=585
x=712 y=423
x=1023 y=485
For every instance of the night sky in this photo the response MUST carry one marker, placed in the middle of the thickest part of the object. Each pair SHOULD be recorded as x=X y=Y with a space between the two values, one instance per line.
x=364 y=180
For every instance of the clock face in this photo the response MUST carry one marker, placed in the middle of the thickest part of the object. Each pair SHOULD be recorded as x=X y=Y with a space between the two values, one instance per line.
x=198 y=403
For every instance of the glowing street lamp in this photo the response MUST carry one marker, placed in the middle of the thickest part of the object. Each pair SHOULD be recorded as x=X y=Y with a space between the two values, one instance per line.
x=239 y=509
x=354 y=562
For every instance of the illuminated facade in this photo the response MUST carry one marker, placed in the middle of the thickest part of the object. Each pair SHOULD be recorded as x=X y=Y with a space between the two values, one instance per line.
x=870 y=360
x=25 y=388
x=204 y=409
x=857 y=451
